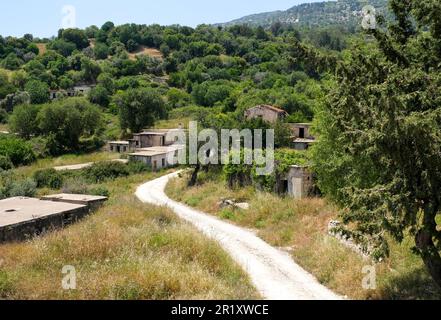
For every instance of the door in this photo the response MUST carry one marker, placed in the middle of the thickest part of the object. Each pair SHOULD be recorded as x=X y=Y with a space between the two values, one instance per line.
x=155 y=165
x=297 y=188
x=302 y=133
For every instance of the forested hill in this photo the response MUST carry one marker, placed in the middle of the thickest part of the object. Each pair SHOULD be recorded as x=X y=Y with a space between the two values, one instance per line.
x=329 y=13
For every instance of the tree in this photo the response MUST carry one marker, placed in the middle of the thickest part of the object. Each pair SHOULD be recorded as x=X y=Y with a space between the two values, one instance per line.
x=66 y=121
x=39 y=91
x=12 y=62
x=76 y=36
x=139 y=108
x=19 y=78
x=23 y=120
x=63 y=47
x=101 y=51
x=99 y=95
x=108 y=26
x=106 y=80
x=17 y=150
x=380 y=139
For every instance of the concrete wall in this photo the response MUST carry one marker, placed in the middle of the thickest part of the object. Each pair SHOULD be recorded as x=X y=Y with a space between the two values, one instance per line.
x=148 y=141
x=297 y=128
x=118 y=148
x=28 y=229
x=300 y=182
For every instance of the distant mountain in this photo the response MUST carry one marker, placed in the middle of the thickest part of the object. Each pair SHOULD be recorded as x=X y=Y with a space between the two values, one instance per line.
x=347 y=13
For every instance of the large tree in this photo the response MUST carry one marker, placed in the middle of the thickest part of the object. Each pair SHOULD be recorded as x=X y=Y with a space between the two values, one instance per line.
x=379 y=154
x=139 y=108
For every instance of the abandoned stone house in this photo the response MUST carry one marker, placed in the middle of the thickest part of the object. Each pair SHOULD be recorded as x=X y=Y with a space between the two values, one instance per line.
x=302 y=137
x=22 y=218
x=119 y=146
x=152 y=138
x=298 y=182
x=267 y=113
x=79 y=90
x=143 y=140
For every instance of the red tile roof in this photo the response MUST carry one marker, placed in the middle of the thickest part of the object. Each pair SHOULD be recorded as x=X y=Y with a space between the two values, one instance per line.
x=278 y=110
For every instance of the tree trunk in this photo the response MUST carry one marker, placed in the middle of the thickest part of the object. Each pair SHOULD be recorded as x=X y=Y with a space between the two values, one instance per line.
x=426 y=246
x=194 y=176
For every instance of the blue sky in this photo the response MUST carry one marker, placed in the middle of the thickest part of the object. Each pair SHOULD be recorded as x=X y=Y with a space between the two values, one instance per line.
x=44 y=18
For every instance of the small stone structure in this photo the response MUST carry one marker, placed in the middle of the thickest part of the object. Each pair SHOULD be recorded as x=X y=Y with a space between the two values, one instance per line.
x=298 y=182
x=79 y=90
x=228 y=203
x=334 y=230
x=118 y=146
x=267 y=113
x=302 y=137
x=22 y=218
x=153 y=138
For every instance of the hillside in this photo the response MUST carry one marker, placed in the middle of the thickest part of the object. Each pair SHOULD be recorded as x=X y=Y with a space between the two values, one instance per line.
x=342 y=13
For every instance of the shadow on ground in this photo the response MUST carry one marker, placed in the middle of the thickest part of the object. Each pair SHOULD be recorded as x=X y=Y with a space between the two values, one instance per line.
x=416 y=284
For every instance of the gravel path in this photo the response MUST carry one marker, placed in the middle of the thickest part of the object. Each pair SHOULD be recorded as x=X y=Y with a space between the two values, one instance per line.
x=272 y=271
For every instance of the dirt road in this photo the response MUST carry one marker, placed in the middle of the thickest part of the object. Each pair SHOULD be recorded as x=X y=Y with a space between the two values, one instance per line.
x=273 y=272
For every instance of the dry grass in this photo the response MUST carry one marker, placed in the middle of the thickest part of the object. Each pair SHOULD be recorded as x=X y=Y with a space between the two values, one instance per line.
x=300 y=227
x=172 y=123
x=66 y=160
x=126 y=250
x=42 y=48
x=151 y=52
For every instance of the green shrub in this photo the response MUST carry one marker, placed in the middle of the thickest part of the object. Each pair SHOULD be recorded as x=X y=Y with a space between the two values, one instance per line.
x=99 y=191
x=75 y=185
x=136 y=167
x=49 y=178
x=103 y=171
x=5 y=163
x=17 y=150
x=6 y=285
x=22 y=188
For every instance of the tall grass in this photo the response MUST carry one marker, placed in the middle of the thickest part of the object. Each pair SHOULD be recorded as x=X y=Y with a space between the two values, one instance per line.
x=300 y=228
x=126 y=250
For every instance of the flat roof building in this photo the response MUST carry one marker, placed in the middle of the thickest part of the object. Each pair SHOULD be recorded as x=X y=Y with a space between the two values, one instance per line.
x=22 y=218
x=91 y=201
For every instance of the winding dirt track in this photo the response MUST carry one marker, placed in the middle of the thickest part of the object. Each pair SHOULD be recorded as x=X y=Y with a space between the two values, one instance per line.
x=273 y=272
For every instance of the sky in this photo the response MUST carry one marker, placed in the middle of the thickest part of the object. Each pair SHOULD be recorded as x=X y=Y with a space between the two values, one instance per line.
x=44 y=18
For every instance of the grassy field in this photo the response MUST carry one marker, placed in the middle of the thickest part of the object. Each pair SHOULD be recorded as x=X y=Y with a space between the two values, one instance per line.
x=65 y=160
x=126 y=250
x=300 y=227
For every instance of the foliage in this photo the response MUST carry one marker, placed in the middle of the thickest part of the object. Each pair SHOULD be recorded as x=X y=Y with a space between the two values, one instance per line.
x=103 y=171
x=5 y=163
x=49 y=178
x=139 y=108
x=18 y=151
x=13 y=186
x=23 y=120
x=379 y=152
x=38 y=91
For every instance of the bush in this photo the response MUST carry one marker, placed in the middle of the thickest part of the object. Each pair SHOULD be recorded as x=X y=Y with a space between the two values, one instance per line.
x=103 y=171
x=99 y=191
x=136 y=167
x=49 y=178
x=75 y=185
x=17 y=150
x=22 y=188
x=5 y=163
